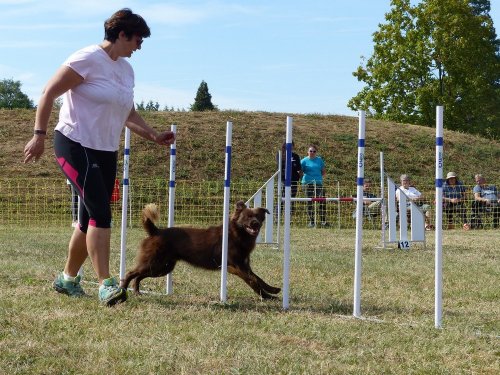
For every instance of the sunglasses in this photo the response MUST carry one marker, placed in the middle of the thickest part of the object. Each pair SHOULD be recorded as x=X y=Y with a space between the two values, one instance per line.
x=313 y=151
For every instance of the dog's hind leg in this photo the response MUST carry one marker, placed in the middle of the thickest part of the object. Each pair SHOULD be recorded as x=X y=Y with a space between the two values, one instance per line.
x=251 y=279
x=156 y=271
x=128 y=278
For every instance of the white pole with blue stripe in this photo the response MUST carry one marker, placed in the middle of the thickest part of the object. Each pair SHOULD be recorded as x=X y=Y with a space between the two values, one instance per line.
x=225 y=224
x=123 y=236
x=438 y=272
x=288 y=195
x=171 y=198
x=359 y=216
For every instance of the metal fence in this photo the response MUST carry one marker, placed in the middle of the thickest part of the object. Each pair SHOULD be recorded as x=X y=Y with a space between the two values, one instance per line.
x=47 y=202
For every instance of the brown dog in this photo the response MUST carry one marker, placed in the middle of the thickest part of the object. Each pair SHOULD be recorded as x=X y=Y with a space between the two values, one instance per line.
x=202 y=248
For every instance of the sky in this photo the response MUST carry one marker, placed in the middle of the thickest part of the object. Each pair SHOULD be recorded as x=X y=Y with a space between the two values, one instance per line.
x=255 y=55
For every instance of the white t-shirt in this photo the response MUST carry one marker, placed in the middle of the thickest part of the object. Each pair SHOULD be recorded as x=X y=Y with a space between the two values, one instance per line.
x=411 y=193
x=94 y=112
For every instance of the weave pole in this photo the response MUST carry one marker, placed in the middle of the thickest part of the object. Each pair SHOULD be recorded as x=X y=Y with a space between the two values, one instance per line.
x=383 y=204
x=123 y=235
x=288 y=195
x=225 y=224
x=359 y=216
x=171 y=198
x=438 y=271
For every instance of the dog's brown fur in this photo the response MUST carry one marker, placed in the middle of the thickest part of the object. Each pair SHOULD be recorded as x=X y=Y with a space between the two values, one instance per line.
x=159 y=253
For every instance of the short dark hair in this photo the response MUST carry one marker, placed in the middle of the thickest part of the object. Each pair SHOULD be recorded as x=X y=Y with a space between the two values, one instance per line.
x=128 y=22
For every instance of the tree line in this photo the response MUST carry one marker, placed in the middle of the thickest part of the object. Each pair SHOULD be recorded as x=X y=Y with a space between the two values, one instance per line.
x=11 y=96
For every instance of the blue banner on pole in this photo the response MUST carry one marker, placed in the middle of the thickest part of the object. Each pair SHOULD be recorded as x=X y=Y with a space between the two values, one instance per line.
x=227 y=181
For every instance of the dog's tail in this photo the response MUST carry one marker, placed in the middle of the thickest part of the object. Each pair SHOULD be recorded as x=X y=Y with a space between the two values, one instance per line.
x=150 y=216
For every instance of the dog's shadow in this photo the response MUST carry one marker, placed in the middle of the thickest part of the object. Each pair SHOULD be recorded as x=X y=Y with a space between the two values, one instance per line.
x=241 y=304
x=179 y=301
x=244 y=303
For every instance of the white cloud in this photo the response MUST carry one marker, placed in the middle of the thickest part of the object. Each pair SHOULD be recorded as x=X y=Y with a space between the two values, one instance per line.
x=49 y=26
x=172 y=14
x=14 y=73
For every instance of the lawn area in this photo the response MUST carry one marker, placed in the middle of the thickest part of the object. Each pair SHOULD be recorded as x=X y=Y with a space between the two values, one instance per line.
x=190 y=332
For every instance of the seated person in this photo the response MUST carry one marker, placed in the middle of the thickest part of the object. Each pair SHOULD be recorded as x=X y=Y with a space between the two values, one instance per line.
x=416 y=196
x=485 y=200
x=370 y=208
x=453 y=197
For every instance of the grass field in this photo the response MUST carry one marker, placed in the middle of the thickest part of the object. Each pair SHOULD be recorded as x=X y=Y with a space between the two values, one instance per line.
x=190 y=332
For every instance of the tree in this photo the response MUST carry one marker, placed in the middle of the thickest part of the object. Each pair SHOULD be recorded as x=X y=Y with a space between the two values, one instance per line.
x=140 y=106
x=434 y=53
x=203 y=100
x=11 y=95
x=152 y=106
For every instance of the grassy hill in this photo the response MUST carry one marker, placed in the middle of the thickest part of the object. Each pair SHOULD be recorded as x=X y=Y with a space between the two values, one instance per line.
x=257 y=136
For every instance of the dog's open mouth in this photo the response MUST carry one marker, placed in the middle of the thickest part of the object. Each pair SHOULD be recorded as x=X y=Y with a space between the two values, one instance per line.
x=253 y=230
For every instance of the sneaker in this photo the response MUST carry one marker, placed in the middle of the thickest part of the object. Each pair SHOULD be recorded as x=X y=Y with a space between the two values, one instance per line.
x=110 y=293
x=70 y=288
x=310 y=224
x=466 y=226
x=325 y=224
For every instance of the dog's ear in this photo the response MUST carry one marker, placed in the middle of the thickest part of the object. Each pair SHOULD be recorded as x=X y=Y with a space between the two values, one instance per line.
x=262 y=213
x=240 y=206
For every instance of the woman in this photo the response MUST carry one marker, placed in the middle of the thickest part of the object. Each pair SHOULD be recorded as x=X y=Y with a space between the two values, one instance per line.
x=313 y=169
x=453 y=200
x=97 y=83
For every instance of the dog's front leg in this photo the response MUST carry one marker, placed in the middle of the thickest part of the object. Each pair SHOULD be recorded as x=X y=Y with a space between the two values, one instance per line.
x=251 y=280
x=263 y=285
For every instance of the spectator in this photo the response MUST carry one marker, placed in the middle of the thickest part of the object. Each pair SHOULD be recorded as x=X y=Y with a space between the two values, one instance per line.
x=370 y=208
x=313 y=169
x=416 y=196
x=296 y=171
x=453 y=197
x=485 y=200
x=97 y=83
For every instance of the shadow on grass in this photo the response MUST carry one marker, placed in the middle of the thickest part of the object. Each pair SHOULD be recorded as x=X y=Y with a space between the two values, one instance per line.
x=297 y=304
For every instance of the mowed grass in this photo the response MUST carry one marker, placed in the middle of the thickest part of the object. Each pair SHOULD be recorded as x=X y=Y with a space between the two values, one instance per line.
x=191 y=332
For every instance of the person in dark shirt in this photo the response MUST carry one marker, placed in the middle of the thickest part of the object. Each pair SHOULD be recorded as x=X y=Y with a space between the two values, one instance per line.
x=296 y=169
x=296 y=172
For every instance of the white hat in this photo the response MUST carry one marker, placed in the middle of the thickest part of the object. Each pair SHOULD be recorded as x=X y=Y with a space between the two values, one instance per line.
x=451 y=175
